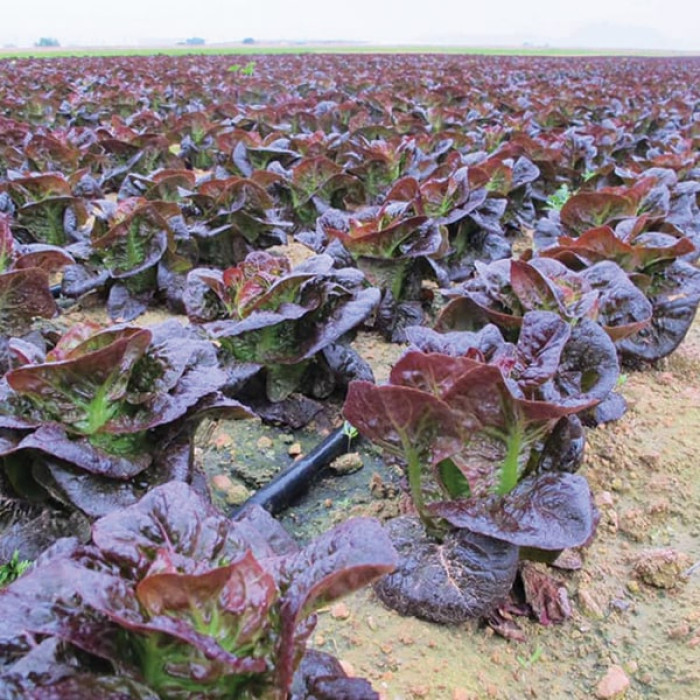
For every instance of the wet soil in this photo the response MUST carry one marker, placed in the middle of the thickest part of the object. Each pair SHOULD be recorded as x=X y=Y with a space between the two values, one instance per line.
x=635 y=615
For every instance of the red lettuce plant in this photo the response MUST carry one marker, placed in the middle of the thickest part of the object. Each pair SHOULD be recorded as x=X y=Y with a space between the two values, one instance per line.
x=456 y=197
x=485 y=431
x=108 y=413
x=167 y=185
x=133 y=253
x=286 y=324
x=659 y=264
x=24 y=280
x=589 y=209
x=229 y=218
x=446 y=195
x=44 y=209
x=505 y=290
x=171 y=599
x=391 y=245
x=125 y=150
x=379 y=162
x=310 y=187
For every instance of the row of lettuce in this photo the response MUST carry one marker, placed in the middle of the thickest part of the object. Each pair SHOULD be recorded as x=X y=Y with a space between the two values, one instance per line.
x=409 y=200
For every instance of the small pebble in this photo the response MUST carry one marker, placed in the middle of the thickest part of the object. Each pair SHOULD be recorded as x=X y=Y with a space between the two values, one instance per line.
x=347 y=667
x=604 y=498
x=223 y=440
x=680 y=631
x=347 y=463
x=340 y=611
x=222 y=482
x=588 y=604
x=613 y=684
x=620 y=604
x=665 y=378
x=661 y=568
x=294 y=449
x=237 y=494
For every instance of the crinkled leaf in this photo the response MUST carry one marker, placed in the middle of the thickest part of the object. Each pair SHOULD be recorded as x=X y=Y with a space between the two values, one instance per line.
x=531 y=287
x=45 y=257
x=172 y=517
x=455 y=343
x=674 y=299
x=351 y=555
x=547 y=511
x=92 y=494
x=238 y=596
x=588 y=371
x=82 y=393
x=86 y=685
x=125 y=304
x=402 y=418
x=464 y=576
x=587 y=210
x=432 y=373
x=53 y=440
x=622 y=308
x=542 y=339
x=24 y=294
x=321 y=676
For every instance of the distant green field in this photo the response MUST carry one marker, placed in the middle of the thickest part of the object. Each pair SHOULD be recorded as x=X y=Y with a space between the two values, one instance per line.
x=331 y=48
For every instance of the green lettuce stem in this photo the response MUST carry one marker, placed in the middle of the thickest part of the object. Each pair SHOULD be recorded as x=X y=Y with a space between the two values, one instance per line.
x=397 y=284
x=509 y=467
x=414 y=470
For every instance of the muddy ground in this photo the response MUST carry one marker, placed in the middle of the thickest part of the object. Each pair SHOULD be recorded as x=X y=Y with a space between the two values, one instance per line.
x=635 y=601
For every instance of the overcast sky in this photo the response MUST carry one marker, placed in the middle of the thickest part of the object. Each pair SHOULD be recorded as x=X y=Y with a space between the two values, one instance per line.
x=669 y=24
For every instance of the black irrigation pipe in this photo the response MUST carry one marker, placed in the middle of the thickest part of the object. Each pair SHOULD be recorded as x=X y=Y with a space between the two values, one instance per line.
x=293 y=481
x=55 y=290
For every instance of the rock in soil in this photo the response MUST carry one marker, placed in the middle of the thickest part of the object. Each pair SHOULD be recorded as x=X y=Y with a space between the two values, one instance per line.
x=661 y=568
x=614 y=684
x=347 y=463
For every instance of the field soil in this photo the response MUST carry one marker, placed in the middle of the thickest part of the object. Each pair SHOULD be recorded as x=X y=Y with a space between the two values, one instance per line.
x=634 y=629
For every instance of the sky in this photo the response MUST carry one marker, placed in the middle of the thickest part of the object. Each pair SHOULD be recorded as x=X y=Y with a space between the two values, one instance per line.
x=653 y=24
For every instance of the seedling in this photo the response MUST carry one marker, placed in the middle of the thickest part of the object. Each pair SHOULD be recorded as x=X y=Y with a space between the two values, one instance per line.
x=350 y=431
x=532 y=660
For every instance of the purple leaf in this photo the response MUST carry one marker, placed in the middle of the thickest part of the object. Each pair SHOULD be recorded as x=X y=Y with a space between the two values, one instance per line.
x=548 y=511
x=464 y=576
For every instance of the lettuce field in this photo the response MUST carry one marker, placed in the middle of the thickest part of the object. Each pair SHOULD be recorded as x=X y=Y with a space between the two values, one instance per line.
x=476 y=275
